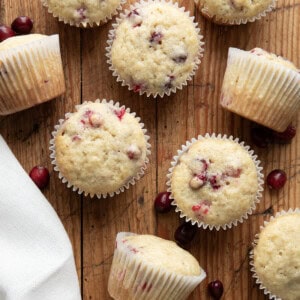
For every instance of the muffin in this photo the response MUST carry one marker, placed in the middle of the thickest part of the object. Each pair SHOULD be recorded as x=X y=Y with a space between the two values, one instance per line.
x=100 y=149
x=275 y=258
x=234 y=12
x=154 y=48
x=215 y=181
x=149 y=267
x=85 y=12
x=30 y=71
x=262 y=87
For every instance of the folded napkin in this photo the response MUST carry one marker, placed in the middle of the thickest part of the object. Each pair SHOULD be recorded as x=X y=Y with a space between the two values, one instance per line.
x=36 y=257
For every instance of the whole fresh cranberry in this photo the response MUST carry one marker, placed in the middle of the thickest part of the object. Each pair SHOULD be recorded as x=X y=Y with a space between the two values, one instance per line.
x=22 y=25
x=286 y=136
x=5 y=32
x=163 y=202
x=184 y=234
x=276 y=179
x=40 y=176
x=215 y=289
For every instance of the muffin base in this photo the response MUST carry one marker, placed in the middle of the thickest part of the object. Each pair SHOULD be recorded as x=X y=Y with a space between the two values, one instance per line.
x=272 y=90
x=129 y=279
x=30 y=74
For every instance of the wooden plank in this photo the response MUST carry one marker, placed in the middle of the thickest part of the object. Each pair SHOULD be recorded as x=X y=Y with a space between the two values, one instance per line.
x=28 y=132
x=224 y=255
x=131 y=210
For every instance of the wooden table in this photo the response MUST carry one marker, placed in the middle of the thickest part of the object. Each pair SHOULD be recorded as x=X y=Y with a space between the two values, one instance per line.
x=92 y=224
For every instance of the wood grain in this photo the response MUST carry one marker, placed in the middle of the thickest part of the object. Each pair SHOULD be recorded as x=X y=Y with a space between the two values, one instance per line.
x=91 y=223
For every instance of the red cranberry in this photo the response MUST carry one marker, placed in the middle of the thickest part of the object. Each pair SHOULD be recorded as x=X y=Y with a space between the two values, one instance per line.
x=286 y=136
x=184 y=234
x=261 y=136
x=22 y=25
x=276 y=179
x=40 y=176
x=162 y=202
x=5 y=32
x=215 y=289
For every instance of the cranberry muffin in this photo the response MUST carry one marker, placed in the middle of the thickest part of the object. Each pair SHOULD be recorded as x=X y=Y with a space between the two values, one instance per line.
x=262 y=87
x=215 y=181
x=275 y=258
x=100 y=149
x=85 y=12
x=148 y=267
x=234 y=12
x=31 y=71
x=154 y=48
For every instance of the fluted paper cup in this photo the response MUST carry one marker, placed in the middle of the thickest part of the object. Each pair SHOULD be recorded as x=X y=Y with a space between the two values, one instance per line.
x=131 y=278
x=30 y=72
x=260 y=89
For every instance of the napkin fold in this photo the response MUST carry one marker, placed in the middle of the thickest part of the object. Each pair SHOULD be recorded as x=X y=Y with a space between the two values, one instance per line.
x=36 y=257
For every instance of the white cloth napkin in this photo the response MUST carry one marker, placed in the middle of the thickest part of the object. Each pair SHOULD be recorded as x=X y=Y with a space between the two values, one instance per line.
x=36 y=257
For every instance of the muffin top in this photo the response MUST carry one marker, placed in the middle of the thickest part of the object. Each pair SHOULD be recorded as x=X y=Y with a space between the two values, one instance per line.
x=273 y=58
x=20 y=40
x=215 y=182
x=100 y=147
x=161 y=253
x=277 y=256
x=83 y=12
x=155 y=48
x=231 y=10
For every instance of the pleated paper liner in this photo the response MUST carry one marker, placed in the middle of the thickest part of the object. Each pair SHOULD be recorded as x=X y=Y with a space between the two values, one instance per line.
x=79 y=190
x=222 y=20
x=202 y=224
x=260 y=90
x=31 y=73
x=265 y=290
x=82 y=20
x=131 y=278
x=112 y=33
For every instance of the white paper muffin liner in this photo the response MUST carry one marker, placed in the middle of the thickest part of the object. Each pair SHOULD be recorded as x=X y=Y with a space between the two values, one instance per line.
x=111 y=37
x=83 y=24
x=260 y=177
x=133 y=180
x=251 y=254
x=260 y=89
x=223 y=21
x=31 y=73
x=133 y=279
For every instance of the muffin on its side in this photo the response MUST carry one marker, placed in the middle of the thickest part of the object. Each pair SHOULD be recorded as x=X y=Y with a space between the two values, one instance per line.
x=30 y=71
x=154 y=48
x=275 y=258
x=234 y=12
x=262 y=87
x=83 y=13
x=215 y=181
x=100 y=149
x=148 y=267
